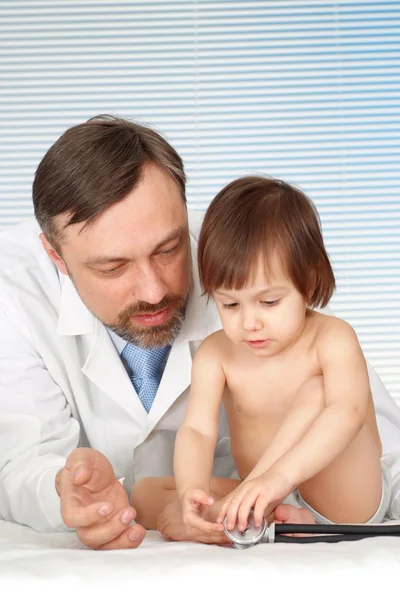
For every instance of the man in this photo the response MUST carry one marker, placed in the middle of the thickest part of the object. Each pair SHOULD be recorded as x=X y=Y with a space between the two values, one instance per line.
x=100 y=315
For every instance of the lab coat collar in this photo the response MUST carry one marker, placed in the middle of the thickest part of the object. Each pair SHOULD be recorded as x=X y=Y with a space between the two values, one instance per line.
x=73 y=316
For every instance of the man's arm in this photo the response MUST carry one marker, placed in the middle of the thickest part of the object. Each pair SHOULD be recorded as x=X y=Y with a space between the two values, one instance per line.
x=46 y=482
x=37 y=432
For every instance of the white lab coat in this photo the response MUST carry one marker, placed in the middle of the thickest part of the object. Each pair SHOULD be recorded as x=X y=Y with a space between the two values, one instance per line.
x=62 y=384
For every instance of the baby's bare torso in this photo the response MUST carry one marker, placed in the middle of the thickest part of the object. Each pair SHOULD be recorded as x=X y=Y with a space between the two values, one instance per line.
x=260 y=390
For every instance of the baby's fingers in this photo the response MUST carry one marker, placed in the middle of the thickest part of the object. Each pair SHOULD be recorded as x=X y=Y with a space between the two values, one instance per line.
x=244 y=510
x=223 y=510
x=260 y=507
x=232 y=512
x=198 y=496
x=194 y=521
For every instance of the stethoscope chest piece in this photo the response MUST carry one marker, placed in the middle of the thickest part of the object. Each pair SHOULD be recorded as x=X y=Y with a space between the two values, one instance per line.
x=251 y=536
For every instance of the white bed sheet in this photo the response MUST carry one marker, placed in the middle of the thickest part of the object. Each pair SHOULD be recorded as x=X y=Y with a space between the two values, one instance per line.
x=58 y=566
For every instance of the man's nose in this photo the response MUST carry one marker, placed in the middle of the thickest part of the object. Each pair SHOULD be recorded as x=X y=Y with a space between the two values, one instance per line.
x=149 y=285
x=251 y=321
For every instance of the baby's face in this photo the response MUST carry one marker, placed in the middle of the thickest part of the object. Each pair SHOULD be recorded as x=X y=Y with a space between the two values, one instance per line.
x=267 y=316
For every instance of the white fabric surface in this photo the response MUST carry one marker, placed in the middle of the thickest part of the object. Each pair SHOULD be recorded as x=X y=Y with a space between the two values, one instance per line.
x=56 y=565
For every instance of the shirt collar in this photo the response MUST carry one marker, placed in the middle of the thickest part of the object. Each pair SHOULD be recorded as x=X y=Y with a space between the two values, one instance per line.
x=118 y=342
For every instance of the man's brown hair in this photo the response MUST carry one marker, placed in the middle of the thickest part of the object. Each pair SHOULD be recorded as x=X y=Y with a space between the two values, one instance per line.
x=260 y=216
x=95 y=164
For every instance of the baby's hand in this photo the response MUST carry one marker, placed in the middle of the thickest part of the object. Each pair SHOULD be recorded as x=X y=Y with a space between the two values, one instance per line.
x=195 y=504
x=262 y=493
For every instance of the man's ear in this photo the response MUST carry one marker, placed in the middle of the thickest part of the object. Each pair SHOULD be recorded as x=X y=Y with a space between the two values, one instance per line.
x=53 y=255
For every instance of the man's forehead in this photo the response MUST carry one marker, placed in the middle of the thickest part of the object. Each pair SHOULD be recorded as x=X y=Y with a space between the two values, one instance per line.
x=113 y=231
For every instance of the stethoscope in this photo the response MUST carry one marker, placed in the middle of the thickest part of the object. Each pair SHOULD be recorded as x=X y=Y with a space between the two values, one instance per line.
x=273 y=533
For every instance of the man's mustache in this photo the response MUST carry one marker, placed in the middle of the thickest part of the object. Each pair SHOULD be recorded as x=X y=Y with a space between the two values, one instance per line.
x=141 y=307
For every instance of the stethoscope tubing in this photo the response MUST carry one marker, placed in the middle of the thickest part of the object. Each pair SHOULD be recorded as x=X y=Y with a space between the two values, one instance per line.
x=331 y=533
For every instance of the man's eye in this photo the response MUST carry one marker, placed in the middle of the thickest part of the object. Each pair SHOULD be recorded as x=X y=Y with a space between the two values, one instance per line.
x=110 y=271
x=169 y=250
x=231 y=305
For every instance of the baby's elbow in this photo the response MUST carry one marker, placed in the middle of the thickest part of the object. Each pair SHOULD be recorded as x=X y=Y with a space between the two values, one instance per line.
x=357 y=417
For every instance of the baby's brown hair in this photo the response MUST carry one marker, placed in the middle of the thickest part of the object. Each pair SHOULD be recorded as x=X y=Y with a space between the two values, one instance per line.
x=255 y=216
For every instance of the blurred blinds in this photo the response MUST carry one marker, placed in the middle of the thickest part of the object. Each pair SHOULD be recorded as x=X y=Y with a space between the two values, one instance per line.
x=304 y=91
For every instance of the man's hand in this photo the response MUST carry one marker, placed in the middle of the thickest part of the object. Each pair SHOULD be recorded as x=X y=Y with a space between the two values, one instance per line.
x=95 y=503
x=170 y=525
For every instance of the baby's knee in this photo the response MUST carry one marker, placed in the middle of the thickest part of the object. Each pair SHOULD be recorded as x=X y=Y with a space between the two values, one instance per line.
x=312 y=393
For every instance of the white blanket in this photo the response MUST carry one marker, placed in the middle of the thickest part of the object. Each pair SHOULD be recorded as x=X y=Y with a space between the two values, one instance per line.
x=57 y=566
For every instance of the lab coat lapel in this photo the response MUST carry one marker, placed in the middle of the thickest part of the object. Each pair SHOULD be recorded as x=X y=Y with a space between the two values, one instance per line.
x=103 y=364
x=175 y=380
x=105 y=369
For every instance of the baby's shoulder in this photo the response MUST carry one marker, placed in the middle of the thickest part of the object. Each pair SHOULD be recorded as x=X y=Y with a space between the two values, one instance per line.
x=213 y=346
x=333 y=335
x=326 y=326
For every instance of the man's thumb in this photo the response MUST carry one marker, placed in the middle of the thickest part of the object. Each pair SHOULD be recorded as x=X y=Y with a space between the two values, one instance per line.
x=81 y=474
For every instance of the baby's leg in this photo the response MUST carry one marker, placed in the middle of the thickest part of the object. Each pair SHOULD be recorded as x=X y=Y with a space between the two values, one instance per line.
x=286 y=513
x=349 y=490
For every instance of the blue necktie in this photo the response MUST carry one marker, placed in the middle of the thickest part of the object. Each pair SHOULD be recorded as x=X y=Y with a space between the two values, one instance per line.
x=146 y=370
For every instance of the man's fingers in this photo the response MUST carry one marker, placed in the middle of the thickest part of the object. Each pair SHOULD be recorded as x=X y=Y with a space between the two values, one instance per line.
x=103 y=532
x=86 y=466
x=82 y=474
x=131 y=538
x=82 y=460
x=85 y=516
x=79 y=474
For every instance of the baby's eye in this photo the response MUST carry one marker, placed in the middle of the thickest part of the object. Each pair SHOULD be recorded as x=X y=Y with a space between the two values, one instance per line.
x=231 y=305
x=270 y=302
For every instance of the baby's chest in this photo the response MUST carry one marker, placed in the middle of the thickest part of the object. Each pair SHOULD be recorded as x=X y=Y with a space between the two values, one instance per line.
x=263 y=393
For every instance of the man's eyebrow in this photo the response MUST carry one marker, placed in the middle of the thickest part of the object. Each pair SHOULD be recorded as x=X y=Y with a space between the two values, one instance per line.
x=93 y=261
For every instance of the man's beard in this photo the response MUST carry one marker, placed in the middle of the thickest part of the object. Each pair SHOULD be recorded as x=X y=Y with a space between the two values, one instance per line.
x=152 y=336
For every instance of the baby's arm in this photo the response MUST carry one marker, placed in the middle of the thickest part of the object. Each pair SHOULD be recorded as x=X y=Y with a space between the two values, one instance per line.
x=307 y=406
x=197 y=436
x=150 y=496
x=297 y=454
x=347 y=393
